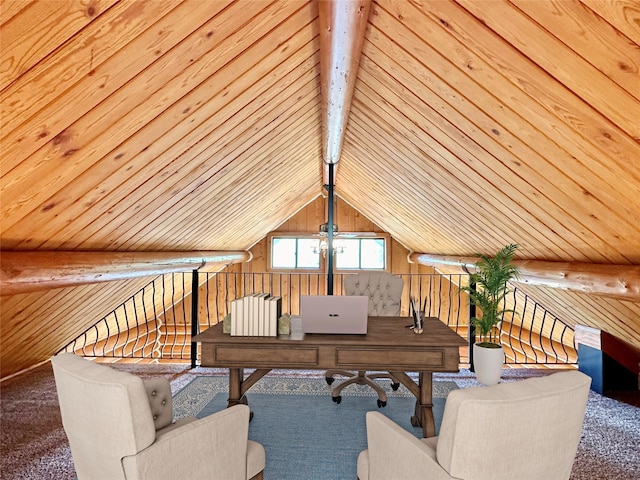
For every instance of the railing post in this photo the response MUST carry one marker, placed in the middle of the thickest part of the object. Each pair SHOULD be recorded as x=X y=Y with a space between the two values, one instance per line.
x=330 y=232
x=472 y=328
x=194 y=316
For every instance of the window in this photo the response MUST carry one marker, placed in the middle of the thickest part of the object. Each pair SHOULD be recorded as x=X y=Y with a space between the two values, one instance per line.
x=295 y=251
x=361 y=254
x=291 y=253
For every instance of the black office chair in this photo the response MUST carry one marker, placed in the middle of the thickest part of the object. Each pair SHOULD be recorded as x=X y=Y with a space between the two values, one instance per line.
x=384 y=291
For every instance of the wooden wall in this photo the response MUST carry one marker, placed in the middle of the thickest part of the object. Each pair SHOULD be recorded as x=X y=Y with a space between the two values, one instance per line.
x=195 y=125
x=348 y=219
x=172 y=322
x=169 y=311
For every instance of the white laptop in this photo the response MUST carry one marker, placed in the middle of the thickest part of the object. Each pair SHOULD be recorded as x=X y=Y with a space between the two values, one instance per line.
x=339 y=314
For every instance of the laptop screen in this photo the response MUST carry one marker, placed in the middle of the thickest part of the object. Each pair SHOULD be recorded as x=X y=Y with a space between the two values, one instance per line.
x=334 y=314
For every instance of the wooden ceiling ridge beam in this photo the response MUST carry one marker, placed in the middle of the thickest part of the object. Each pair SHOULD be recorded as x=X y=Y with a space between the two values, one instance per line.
x=343 y=24
x=617 y=281
x=29 y=271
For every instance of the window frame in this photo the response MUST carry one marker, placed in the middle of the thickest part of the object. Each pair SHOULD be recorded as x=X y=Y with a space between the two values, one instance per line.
x=364 y=236
x=296 y=235
x=322 y=268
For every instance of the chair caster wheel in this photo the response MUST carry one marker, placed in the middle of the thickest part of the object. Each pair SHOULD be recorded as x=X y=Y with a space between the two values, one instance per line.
x=337 y=399
x=381 y=403
x=329 y=380
x=395 y=386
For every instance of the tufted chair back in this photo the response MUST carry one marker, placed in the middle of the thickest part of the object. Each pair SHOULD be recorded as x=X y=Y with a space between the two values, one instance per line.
x=120 y=426
x=106 y=414
x=516 y=430
x=383 y=289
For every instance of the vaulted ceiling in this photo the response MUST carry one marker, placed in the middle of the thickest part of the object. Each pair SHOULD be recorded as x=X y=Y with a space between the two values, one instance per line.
x=196 y=125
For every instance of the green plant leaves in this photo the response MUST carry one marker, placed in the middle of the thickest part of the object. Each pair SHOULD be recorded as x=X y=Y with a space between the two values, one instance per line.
x=490 y=279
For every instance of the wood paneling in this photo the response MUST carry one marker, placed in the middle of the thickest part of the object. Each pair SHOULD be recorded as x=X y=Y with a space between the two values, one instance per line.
x=192 y=125
x=308 y=221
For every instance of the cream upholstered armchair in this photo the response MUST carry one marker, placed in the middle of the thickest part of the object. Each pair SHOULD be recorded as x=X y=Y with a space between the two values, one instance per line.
x=523 y=430
x=385 y=292
x=120 y=426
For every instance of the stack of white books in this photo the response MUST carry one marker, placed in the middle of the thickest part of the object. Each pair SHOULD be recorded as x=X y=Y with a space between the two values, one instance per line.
x=256 y=315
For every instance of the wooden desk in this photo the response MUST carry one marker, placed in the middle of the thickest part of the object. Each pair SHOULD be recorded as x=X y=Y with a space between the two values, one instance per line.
x=388 y=346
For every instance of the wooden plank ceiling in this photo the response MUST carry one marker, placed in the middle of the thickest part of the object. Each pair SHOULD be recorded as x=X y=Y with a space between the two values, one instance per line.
x=196 y=125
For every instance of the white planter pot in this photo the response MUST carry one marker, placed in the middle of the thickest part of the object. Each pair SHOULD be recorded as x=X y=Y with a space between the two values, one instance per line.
x=487 y=363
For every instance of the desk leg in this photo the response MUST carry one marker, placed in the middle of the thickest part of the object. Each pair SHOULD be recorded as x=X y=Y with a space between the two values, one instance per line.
x=238 y=385
x=235 y=387
x=423 y=412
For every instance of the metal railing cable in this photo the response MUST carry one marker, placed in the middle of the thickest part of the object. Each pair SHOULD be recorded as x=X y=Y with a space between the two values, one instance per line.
x=158 y=321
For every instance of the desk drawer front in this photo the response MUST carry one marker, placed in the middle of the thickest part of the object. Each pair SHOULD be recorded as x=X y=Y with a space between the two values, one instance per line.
x=389 y=359
x=272 y=357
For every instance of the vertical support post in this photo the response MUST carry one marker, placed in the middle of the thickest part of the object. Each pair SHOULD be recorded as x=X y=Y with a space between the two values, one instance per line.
x=194 y=316
x=472 y=328
x=330 y=223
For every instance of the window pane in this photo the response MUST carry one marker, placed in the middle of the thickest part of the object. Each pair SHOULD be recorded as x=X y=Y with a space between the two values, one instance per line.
x=283 y=253
x=349 y=258
x=372 y=253
x=351 y=253
x=306 y=256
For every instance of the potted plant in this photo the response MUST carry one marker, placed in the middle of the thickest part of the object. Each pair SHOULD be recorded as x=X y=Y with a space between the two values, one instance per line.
x=490 y=279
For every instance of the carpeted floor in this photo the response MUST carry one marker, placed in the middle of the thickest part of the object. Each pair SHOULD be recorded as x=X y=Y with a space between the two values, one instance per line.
x=33 y=444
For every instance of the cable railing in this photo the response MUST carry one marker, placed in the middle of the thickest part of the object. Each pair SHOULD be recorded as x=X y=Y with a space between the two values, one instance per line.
x=535 y=336
x=159 y=321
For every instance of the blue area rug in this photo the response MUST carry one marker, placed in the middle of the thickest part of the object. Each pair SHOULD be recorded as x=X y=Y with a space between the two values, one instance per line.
x=305 y=434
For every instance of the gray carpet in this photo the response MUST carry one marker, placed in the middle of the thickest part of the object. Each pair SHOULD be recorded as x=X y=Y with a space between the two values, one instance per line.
x=33 y=444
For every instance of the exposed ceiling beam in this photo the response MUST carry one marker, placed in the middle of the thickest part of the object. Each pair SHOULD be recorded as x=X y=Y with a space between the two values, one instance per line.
x=23 y=272
x=617 y=281
x=342 y=28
